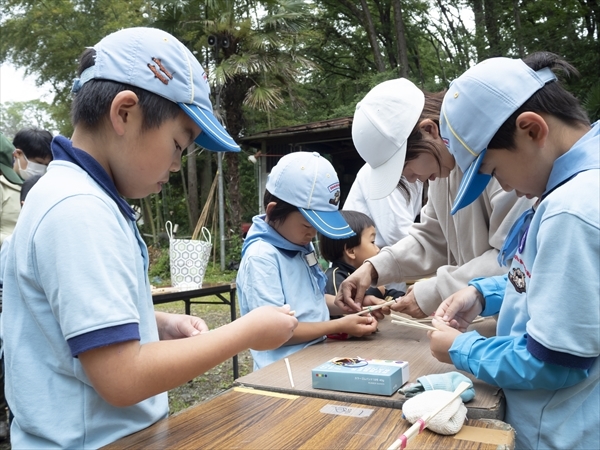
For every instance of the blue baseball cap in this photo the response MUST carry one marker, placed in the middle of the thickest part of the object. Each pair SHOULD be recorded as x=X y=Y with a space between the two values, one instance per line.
x=156 y=61
x=475 y=107
x=309 y=182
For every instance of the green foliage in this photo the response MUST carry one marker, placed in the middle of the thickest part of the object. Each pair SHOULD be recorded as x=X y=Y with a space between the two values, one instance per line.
x=46 y=38
x=592 y=103
x=15 y=116
x=159 y=265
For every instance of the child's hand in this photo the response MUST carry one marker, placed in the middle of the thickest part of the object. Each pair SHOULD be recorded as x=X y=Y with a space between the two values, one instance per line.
x=408 y=305
x=461 y=308
x=358 y=326
x=269 y=327
x=177 y=326
x=441 y=340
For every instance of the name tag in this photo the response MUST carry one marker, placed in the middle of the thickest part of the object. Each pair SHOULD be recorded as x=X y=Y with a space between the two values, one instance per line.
x=311 y=259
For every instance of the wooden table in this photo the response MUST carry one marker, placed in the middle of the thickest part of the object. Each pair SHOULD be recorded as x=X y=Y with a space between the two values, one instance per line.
x=390 y=342
x=246 y=419
x=191 y=296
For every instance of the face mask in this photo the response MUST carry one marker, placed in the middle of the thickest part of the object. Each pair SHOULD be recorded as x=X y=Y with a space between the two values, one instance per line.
x=32 y=169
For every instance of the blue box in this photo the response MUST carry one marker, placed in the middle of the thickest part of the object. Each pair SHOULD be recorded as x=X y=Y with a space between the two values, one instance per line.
x=368 y=376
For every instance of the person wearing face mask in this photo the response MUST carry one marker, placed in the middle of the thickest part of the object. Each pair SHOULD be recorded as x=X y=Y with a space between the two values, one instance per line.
x=32 y=152
x=396 y=131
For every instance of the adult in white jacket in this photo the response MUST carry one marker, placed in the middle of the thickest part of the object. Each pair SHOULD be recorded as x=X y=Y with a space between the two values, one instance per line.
x=396 y=126
x=393 y=215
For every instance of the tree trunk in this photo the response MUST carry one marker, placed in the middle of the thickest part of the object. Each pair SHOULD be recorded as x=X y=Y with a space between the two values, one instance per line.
x=477 y=8
x=518 y=37
x=364 y=17
x=370 y=28
x=192 y=179
x=492 y=29
x=206 y=176
x=401 y=40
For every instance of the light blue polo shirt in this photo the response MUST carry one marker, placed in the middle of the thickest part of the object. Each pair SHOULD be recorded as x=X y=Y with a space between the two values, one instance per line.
x=75 y=279
x=275 y=272
x=546 y=353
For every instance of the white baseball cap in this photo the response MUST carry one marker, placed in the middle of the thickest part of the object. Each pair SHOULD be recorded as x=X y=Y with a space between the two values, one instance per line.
x=383 y=120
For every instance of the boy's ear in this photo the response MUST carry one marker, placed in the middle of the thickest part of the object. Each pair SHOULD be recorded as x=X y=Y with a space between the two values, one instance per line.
x=270 y=207
x=349 y=252
x=123 y=110
x=428 y=126
x=531 y=126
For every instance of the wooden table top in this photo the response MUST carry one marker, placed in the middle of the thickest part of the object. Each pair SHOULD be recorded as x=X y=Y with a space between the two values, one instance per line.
x=390 y=342
x=251 y=419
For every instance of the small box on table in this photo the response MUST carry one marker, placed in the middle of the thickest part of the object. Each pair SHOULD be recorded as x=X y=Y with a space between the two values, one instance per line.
x=368 y=376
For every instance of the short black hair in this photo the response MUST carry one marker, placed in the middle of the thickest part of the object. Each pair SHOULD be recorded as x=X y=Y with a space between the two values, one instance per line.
x=552 y=99
x=282 y=209
x=27 y=185
x=92 y=102
x=34 y=142
x=333 y=249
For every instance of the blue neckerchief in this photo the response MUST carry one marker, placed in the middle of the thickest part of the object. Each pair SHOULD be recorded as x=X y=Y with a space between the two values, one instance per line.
x=63 y=150
x=261 y=230
x=578 y=159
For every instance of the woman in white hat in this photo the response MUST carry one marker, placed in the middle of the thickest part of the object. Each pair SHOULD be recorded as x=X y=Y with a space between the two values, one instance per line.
x=396 y=131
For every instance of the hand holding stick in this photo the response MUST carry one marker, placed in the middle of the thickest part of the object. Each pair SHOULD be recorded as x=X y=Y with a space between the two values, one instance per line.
x=422 y=423
x=368 y=309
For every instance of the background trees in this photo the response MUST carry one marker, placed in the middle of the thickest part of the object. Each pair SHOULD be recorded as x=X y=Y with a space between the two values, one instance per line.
x=277 y=63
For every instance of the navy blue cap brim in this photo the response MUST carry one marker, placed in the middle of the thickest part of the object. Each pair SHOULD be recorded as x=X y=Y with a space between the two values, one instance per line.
x=213 y=137
x=328 y=223
x=471 y=186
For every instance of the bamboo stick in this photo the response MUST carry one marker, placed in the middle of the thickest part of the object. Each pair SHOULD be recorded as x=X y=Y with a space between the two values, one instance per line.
x=368 y=309
x=414 y=325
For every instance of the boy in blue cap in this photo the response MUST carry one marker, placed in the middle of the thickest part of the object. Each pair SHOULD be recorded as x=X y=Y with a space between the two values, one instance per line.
x=279 y=266
x=511 y=119
x=88 y=360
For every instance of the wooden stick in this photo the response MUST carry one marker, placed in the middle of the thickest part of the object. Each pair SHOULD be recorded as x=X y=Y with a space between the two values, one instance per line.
x=289 y=371
x=368 y=309
x=414 y=325
x=422 y=423
x=411 y=322
x=428 y=319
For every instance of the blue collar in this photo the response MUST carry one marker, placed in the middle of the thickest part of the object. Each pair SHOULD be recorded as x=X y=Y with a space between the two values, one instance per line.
x=63 y=150
x=261 y=230
x=579 y=158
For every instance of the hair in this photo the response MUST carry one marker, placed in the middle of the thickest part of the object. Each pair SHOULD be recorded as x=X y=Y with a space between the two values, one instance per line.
x=333 y=249
x=282 y=209
x=92 y=102
x=27 y=185
x=552 y=99
x=34 y=142
x=415 y=144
